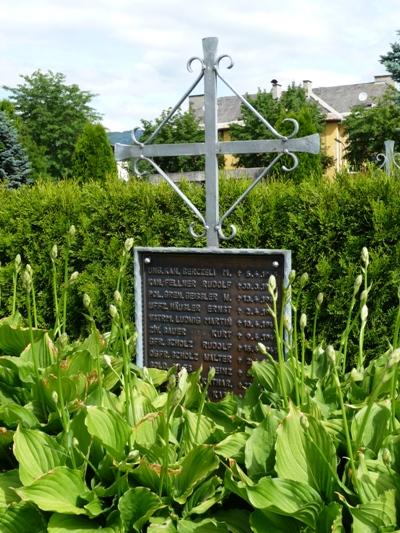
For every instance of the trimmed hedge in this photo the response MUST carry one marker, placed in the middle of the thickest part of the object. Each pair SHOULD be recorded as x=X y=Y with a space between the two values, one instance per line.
x=325 y=224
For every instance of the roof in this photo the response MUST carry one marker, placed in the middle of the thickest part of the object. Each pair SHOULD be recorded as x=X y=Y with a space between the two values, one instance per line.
x=336 y=102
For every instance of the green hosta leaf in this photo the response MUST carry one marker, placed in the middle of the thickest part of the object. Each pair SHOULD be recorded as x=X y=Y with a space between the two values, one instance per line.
x=62 y=523
x=161 y=525
x=259 y=450
x=145 y=432
x=375 y=516
x=197 y=429
x=330 y=519
x=209 y=525
x=136 y=506
x=376 y=426
x=13 y=414
x=374 y=479
x=237 y=520
x=73 y=387
x=232 y=447
x=60 y=491
x=20 y=518
x=37 y=453
x=286 y=497
x=205 y=496
x=306 y=455
x=43 y=352
x=8 y=481
x=265 y=373
x=14 y=339
x=141 y=406
x=198 y=464
x=262 y=521
x=109 y=428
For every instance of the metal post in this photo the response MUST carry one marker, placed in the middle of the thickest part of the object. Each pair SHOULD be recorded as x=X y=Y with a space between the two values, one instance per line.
x=210 y=45
x=389 y=156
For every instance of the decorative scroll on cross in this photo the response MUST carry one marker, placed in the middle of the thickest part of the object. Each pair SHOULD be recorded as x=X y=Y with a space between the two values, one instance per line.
x=388 y=159
x=282 y=145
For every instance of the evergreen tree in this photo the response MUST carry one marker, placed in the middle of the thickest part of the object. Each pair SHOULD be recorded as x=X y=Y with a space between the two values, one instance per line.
x=93 y=156
x=14 y=163
x=292 y=104
x=391 y=60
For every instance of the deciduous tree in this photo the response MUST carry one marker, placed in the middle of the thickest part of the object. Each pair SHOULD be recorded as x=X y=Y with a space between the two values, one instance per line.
x=292 y=104
x=368 y=128
x=54 y=114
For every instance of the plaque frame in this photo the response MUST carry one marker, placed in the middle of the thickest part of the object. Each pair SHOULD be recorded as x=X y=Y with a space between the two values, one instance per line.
x=139 y=252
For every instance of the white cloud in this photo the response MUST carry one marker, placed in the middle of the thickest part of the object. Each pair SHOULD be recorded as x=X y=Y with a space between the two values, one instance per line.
x=133 y=53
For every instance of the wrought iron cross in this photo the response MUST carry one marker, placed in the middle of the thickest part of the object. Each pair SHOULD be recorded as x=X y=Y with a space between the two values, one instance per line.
x=212 y=147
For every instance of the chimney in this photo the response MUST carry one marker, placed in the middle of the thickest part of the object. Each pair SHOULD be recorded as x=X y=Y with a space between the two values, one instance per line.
x=276 y=89
x=307 y=86
x=384 y=78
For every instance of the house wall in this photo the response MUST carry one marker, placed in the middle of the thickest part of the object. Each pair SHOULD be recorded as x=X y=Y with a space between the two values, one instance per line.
x=230 y=159
x=333 y=141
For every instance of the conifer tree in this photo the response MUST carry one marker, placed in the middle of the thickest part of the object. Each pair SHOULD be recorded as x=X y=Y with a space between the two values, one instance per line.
x=93 y=157
x=15 y=167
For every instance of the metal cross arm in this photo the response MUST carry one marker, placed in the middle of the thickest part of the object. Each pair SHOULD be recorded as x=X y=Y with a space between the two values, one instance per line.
x=211 y=148
x=309 y=144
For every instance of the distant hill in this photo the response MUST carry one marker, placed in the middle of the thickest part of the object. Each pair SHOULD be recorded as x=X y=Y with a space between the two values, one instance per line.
x=122 y=137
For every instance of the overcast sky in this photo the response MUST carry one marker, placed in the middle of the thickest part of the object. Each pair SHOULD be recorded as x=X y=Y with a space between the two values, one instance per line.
x=133 y=53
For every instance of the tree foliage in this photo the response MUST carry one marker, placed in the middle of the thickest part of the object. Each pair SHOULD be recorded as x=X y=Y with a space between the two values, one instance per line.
x=292 y=104
x=54 y=114
x=391 y=60
x=182 y=127
x=14 y=163
x=93 y=156
x=368 y=128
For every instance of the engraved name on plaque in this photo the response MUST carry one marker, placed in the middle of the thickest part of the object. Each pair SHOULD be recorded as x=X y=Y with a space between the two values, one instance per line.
x=199 y=307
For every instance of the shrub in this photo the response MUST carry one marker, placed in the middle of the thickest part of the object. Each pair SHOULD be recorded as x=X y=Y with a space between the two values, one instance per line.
x=324 y=224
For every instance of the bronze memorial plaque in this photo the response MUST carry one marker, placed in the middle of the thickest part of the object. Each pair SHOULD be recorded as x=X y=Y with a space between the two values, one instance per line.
x=206 y=307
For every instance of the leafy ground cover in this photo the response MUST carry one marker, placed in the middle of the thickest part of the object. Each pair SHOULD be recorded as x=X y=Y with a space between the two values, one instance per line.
x=90 y=442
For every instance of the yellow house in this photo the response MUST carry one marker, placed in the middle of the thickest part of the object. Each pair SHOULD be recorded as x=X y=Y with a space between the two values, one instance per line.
x=335 y=102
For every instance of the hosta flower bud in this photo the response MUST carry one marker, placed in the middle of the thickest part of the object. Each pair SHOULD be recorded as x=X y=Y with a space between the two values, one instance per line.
x=29 y=269
x=113 y=311
x=54 y=397
x=128 y=244
x=365 y=256
x=86 y=301
x=75 y=442
x=364 y=313
x=356 y=375
x=73 y=277
x=287 y=322
x=386 y=457
x=320 y=298
x=357 y=283
x=394 y=358
x=211 y=374
x=117 y=298
x=107 y=360
x=330 y=352
x=292 y=276
x=72 y=231
x=261 y=348
x=304 y=279
x=63 y=340
x=272 y=284
x=303 y=321
x=305 y=424
x=27 y=280
x=17 y=262
x=364 y=297
x=54 y=252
